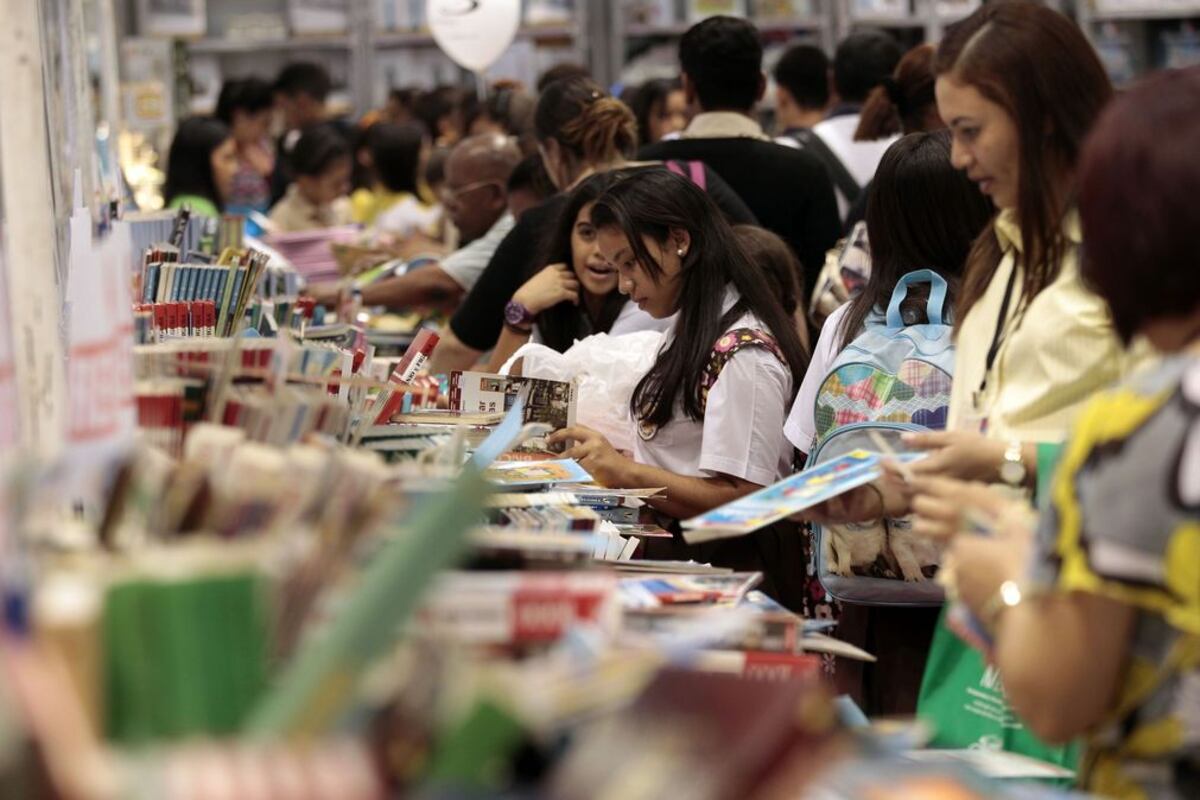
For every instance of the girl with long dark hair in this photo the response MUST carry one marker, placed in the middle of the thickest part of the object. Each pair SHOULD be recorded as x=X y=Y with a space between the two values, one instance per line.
x=576 y=295
x=922 y=213
x=201 y=166
x=709 y=410
x=581 y=131
x=660 y=106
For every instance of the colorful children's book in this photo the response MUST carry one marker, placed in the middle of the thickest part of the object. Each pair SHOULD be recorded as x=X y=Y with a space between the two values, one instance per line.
x=536 y=473
x=790 y=496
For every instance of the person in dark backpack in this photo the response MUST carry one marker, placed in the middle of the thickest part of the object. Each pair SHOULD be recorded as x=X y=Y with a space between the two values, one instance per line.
x=788 y=190
x=923 y=214
x=802 y=92
x=863 y=61
x=708 y=411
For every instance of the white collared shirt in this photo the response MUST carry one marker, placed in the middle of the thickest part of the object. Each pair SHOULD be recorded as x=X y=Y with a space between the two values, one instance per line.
x=1055 y=353
x=467 y=263
x=860 y=159
x=740 y=433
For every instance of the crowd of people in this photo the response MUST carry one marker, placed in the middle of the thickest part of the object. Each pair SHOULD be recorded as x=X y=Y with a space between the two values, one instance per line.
x=1007 y=193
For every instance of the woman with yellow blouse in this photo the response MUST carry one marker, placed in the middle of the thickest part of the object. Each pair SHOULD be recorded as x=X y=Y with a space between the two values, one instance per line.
x=1019 y=87
x=1094 y=609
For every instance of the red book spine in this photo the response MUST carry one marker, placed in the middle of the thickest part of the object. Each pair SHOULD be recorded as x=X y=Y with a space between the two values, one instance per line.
x=540 y=615
x=415 y=357
x=780 y=666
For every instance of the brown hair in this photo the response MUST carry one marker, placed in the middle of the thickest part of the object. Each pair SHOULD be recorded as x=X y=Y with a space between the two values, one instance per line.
x=1138 y=180
x=901 y=103
x=781 y=268
x=591 y=126
x=1037 y=65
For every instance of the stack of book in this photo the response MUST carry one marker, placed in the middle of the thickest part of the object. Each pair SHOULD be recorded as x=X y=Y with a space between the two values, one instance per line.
x=311 y=252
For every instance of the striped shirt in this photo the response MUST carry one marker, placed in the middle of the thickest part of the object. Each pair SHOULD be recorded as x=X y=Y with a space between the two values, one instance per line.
x=467 y=263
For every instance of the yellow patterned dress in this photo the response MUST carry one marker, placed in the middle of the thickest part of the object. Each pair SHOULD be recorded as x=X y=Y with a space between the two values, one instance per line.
x=1123 y=522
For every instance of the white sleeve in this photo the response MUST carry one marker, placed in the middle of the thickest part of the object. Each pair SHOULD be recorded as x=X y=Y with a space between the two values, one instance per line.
x=801 y=427
x=466 y=264
x=745 y=412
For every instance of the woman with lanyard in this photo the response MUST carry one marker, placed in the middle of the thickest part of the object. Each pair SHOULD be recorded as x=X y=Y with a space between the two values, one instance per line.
x=1019 y=87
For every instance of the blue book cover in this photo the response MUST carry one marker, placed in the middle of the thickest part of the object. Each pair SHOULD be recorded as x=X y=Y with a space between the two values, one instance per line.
x=219 y=287
x=536 y=473
x=790 y=496
x=194 y=282
x=189 y=282
x=238 y=280
x=150 y=282
x=203 y=290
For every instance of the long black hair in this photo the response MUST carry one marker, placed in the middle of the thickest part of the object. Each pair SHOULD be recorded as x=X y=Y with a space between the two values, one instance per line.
x=562 y=324
x=318 y=149
x=653 y=203
x=649 y=100
x=396 y=151
x=922 y=213
x=249 y=95
x=189 y=162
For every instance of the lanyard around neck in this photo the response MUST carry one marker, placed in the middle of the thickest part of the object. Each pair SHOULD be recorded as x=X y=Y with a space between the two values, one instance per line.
x=999 y=335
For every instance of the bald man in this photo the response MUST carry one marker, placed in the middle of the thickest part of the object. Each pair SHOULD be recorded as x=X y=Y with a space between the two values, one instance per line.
x=476 y=199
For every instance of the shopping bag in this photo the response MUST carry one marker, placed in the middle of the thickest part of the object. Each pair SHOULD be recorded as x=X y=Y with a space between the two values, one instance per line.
x=963 y=699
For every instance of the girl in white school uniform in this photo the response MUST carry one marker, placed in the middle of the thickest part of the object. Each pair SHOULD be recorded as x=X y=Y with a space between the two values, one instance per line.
x=709 y=411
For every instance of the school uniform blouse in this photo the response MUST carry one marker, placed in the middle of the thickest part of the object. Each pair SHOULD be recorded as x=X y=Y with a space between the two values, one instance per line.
x=1054 y=353
x=739 y=435
x=296 y=213
x=801 y=426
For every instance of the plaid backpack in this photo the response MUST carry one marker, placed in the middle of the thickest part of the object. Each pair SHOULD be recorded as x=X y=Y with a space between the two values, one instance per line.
x=893 y=378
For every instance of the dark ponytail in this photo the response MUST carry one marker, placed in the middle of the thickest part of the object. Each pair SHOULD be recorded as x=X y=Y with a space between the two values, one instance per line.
x=901 y=103
x=589 y=124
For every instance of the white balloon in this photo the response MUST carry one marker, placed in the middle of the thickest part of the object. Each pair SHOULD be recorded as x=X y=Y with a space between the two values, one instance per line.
x=474 y=33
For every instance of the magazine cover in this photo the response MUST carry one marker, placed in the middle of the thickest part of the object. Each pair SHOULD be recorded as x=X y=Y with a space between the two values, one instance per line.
x=551 y=402
x=791 y=495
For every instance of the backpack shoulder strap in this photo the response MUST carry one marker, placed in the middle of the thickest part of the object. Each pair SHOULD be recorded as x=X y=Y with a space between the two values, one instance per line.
x=727 y=347
x=837 y=170
x=694 y=172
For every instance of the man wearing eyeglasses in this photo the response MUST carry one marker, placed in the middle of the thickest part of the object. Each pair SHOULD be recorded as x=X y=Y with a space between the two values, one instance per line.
x=476 y=200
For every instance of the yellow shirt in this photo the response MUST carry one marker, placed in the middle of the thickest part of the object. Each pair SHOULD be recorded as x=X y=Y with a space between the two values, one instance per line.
x=295 y=213
x=367 y=204
x=1056 y=353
